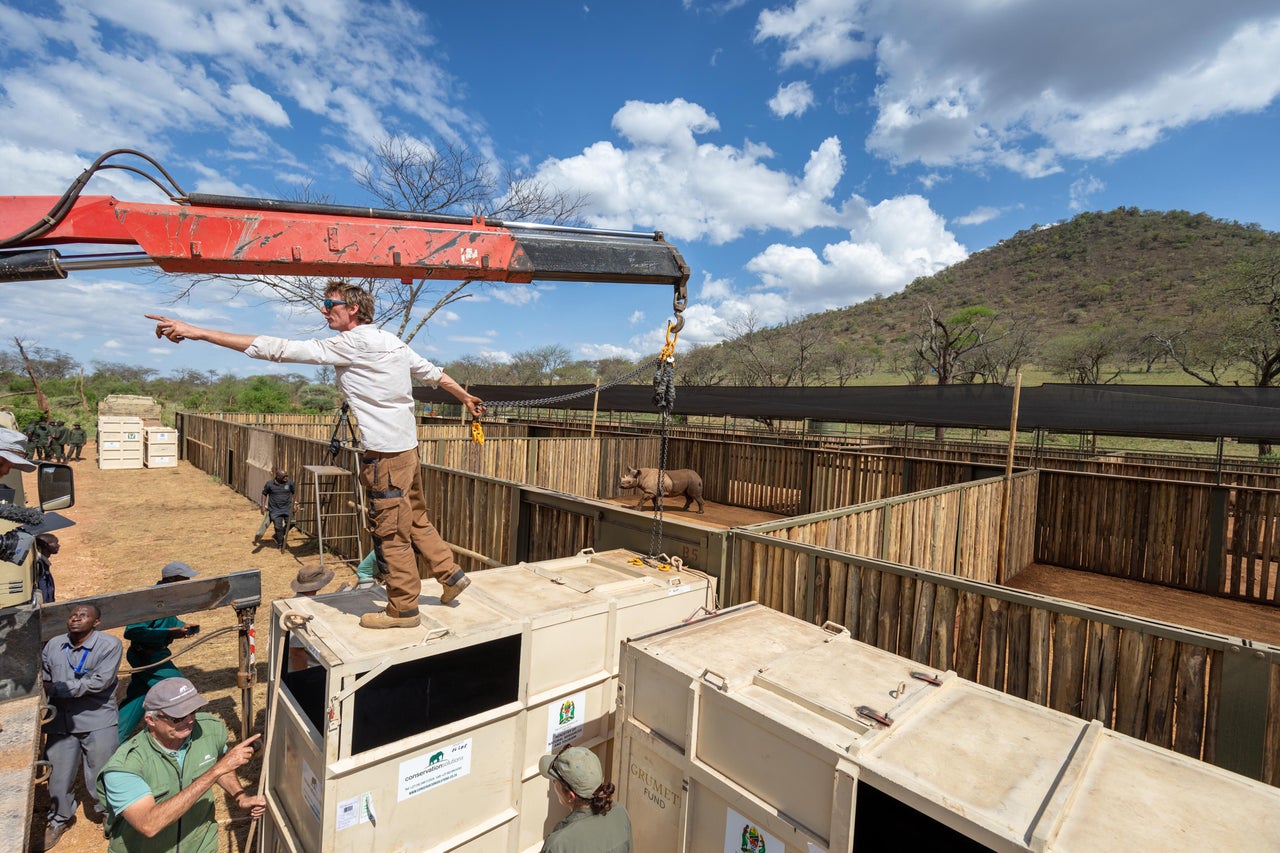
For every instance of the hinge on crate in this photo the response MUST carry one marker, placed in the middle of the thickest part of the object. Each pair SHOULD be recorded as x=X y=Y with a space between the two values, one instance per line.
x=927 y=678
x=872 y=714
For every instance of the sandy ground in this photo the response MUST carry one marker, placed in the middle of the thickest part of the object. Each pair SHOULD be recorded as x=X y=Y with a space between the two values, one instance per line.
x=129 y=523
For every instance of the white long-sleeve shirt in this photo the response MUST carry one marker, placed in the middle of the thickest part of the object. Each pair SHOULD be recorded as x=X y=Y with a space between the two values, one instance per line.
x=374 y=370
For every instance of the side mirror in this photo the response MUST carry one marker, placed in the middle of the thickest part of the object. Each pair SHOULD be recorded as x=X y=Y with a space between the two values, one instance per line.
x=56 y=485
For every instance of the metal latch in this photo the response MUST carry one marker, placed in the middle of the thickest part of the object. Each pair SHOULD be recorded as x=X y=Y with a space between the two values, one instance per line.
x=874 y=715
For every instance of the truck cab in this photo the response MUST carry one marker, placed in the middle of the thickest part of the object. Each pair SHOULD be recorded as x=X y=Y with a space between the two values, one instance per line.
x=19 y=525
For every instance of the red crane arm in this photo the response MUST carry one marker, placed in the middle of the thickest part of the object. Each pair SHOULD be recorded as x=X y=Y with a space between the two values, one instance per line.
x=260 y=236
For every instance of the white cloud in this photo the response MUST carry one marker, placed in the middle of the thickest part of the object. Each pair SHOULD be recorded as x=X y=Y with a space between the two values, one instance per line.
x=599 y=351
x=497 y=356
x=636 y=317
x=695 y=190
x=793 y=99
x=1082 y=189
x=1026 y=85
x=515 y=294
x=978 y=215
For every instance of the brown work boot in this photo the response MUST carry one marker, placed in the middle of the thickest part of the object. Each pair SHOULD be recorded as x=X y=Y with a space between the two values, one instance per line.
x=453 y=590
x=383 y=619
x=53 y=833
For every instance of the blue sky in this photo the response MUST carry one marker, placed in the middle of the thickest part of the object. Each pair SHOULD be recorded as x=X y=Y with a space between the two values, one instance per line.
x=802 y=155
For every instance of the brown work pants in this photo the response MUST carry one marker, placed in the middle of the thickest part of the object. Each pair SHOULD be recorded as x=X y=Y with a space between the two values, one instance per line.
x=398 y=518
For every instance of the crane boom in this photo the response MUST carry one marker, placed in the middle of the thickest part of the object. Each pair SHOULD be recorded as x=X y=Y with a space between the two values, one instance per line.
x=246 y=236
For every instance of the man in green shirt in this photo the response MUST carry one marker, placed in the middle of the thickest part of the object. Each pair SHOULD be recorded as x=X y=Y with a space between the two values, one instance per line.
x=149 y=647
x=76 y=439
x=158 y=785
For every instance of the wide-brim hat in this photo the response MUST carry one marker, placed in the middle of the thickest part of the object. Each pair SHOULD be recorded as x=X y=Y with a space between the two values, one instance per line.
x=13 y=446
x=311 y=578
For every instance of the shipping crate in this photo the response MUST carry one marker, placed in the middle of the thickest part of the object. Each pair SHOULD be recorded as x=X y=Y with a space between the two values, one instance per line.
x=751 y=730
x=429 y=738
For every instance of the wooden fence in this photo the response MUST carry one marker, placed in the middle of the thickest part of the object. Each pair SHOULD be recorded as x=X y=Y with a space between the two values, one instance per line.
x=1213 y=697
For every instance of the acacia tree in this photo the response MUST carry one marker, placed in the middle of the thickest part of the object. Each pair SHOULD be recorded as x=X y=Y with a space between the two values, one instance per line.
x=946 y=345
x=406 y=174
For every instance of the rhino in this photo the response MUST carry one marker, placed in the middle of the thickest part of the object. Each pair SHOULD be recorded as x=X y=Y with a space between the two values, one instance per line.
x=682 y=481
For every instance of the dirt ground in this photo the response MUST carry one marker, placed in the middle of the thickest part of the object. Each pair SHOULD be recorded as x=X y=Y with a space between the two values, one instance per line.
x=129 y=523
x=1190 y=609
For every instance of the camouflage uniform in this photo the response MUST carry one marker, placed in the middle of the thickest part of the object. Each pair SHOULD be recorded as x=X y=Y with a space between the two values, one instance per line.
x=76 y=439
x=39 y=435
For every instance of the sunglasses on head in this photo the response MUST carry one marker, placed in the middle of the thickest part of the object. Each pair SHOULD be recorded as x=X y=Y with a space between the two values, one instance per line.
x=329 y=303
x=552 y=767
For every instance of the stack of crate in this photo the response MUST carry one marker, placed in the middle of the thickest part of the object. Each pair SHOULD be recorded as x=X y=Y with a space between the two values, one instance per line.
x=160 y=447
x=119 y=441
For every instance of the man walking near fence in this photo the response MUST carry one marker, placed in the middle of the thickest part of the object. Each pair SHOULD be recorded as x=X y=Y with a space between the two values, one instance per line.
x=277 y=506
x=374 y=372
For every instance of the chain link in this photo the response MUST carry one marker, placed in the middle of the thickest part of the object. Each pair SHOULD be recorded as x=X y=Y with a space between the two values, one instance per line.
x=543 y=402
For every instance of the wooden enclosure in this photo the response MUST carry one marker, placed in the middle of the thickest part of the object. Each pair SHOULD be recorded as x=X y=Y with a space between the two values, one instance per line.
x=910 y=573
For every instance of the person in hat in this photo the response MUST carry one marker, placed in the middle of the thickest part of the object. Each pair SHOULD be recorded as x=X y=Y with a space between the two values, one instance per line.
x=47 y=545
x=58 y=441
x=13 y=452
x=76 y=439
x=79 y=673
x=310 y=579
x=158 y=786
x=149 y=647
x=595 y=823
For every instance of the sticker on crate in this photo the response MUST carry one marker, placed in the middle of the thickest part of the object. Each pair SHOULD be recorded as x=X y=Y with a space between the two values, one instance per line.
x=745 y=836
x=565 y=721
x=434 y=768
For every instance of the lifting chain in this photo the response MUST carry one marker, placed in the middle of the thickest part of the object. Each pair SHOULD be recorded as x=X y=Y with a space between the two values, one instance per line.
x=664 y=398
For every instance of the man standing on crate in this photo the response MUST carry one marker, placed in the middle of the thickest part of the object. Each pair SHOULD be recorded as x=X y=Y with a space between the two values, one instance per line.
x=374 y=372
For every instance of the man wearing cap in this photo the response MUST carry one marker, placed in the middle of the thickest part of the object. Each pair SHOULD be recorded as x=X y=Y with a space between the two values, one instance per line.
x=13 y=452
x=79 y=671
x=374 y=371
x=595 y=823
x=149 y=647
x=158 y=787
x=277 y=505
x=76 y=439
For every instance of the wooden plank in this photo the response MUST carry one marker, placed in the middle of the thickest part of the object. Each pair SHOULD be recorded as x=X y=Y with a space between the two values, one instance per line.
x=869 y=614
x=1039 y=657
x=1160 y=696
x=887 y=631
x=968 y=634
x=1066 y=683
x=991 y=665
x=942 y=634
x=922 y=621
x=1189 y=710
x=1017 y=681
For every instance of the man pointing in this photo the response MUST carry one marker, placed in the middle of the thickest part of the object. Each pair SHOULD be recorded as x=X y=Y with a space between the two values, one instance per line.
x=374 y=372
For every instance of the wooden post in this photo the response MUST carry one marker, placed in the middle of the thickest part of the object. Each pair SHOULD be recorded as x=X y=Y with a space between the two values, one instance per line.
x=595 y=407
x=1002 y=547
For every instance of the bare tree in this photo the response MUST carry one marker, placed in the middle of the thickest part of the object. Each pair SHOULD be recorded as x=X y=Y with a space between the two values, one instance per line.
x=999 y=360
x=428 y=178
x=42 y=402
x=1080 y=356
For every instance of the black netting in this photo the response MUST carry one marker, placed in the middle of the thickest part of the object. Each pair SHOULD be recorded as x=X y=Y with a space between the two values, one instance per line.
x=1165 y=411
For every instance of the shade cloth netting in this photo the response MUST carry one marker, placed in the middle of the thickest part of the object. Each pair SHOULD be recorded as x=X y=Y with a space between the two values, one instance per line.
x=1166 y=411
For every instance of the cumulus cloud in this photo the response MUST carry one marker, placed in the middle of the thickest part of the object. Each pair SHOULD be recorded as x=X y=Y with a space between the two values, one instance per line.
x=978 y=215
x=596 y=352
x=793 y=99
x=82 y=77
x=664 y=177
x=1026 y=85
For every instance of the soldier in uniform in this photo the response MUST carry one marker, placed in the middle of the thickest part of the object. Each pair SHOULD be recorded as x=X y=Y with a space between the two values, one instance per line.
x=76 y=439
x=39 y=436
x=58 y=441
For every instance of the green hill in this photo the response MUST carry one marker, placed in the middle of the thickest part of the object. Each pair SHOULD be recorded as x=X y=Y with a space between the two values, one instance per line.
x=1117 y=276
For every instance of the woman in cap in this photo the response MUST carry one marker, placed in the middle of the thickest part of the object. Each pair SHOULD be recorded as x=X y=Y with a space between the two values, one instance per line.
x=595 y=823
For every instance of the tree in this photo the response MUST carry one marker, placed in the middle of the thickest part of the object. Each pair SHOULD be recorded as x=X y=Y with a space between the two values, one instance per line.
x=540 y=366
x=945 y=345
x=1079 y=356
x=427 y=178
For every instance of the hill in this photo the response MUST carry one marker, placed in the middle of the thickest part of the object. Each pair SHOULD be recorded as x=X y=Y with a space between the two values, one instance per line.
x=1121 y=273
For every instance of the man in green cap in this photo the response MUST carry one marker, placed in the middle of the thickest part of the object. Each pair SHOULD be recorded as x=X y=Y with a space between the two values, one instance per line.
x=76 y=439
